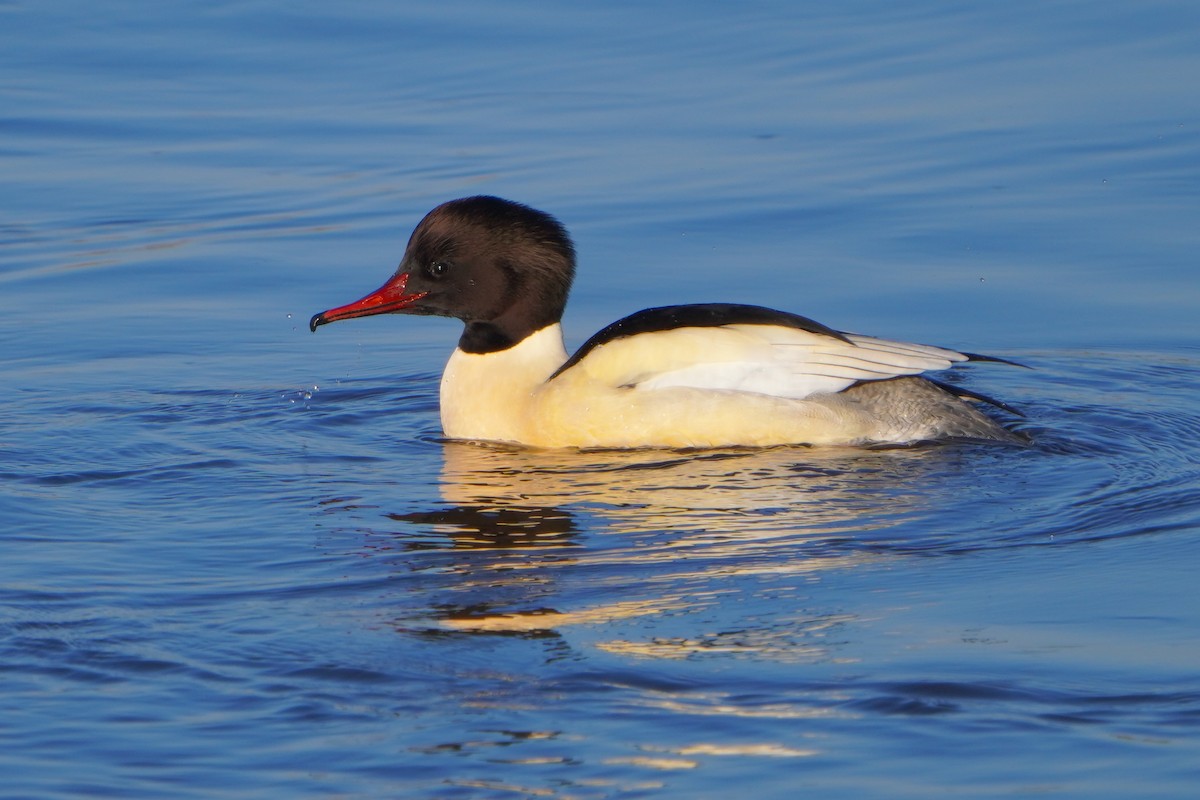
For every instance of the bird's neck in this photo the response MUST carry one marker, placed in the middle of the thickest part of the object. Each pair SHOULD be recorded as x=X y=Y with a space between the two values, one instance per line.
x=490 y=395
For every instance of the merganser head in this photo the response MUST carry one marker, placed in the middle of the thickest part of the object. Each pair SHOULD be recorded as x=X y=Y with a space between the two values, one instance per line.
x=503 y=268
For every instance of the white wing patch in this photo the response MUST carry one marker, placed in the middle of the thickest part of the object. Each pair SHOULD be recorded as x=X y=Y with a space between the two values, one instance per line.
x=764 y=359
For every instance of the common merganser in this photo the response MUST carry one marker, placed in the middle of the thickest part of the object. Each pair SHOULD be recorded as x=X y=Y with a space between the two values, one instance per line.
x=705 y=375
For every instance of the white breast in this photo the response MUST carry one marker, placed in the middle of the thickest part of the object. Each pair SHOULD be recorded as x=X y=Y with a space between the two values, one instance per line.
x=489 y=396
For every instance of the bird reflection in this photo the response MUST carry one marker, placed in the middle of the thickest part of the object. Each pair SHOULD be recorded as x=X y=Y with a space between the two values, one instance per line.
x=536 y=541
x=476 y=526
x=742 y=494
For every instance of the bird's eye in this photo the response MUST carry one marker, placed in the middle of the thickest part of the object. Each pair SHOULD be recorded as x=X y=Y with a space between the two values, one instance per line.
x=438 y=269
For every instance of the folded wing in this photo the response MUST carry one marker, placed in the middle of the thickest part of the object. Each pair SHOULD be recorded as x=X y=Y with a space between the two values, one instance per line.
x=783 y=356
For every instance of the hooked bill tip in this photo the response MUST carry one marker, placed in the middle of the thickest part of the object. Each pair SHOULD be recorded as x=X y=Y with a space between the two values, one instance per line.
x=318 y=319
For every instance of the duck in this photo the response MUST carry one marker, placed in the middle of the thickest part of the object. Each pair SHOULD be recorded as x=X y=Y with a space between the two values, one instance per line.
x=705 y=375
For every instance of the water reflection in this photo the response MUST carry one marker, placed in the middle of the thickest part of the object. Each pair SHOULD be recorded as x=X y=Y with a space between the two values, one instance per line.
x=727 y=504
x=477 y=526
x=535 y=541
x=740 y=496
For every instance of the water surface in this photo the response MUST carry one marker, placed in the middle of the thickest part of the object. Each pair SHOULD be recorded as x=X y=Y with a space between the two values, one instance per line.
x=238 y=559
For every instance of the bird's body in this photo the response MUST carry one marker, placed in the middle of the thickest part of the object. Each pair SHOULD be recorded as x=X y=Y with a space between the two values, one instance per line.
x=703 y=375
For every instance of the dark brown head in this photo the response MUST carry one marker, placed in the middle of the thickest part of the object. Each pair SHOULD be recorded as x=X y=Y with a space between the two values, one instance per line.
x=504 y=269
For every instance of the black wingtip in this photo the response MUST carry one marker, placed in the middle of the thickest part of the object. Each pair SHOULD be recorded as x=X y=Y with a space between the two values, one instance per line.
x=995 y=360
x=961 y=393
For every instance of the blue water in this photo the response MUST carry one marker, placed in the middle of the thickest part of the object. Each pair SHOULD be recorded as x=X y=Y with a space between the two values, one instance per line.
x=238 y=560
